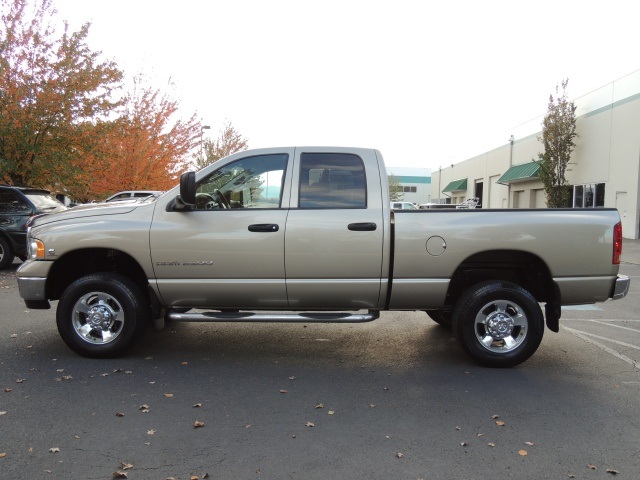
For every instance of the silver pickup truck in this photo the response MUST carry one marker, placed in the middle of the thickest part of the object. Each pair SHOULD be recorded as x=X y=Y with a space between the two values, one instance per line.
x=307 y=235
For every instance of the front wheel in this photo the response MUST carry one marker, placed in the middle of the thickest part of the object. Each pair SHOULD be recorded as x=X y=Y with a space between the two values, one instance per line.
x=498 y=323
x=102 y=314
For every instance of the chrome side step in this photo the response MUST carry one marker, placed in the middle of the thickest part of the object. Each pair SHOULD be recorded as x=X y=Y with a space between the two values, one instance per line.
x=280 y=317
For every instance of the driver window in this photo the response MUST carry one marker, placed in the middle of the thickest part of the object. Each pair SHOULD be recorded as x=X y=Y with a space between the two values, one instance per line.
x=252 y=182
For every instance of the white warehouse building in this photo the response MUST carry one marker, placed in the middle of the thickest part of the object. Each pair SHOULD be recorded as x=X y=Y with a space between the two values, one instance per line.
x=604 y=170
x=415 y=183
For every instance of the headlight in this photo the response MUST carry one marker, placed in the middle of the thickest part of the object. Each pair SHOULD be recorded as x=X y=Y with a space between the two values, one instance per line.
x=36 y=249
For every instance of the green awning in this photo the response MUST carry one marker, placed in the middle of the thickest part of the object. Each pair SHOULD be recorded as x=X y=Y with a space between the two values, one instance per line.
x=520 y=173
x=456 y=186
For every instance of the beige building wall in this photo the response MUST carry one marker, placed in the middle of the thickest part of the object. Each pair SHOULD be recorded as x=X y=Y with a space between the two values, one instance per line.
x=607 y=151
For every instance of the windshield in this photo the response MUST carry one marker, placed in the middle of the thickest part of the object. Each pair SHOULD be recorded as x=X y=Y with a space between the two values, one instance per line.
x=44 y=201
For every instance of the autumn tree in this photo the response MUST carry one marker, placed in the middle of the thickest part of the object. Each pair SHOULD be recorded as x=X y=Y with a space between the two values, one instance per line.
x=396 y=192
x=558 y=138
x=229 y=141
x=51 y=86
x=145 y=148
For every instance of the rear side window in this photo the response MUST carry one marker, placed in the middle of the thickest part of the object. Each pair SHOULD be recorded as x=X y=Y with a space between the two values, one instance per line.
x=332 y=180
x=13 y=203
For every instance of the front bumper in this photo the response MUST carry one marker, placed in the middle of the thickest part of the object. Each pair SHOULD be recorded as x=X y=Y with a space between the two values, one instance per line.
x=621 y=287
x=32 y=291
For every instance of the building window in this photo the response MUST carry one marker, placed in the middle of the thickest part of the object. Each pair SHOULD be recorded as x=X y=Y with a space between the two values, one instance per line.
x=409 y=189
x=590 y=195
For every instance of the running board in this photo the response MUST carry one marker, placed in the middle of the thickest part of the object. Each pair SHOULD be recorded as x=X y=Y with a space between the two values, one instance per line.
x=279 y=317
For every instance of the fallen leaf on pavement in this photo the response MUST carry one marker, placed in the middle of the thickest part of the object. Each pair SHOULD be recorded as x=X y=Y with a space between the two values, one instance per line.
x=319 y=405
x=54 y=450
x=126 y=466
x=500 y=423
x=592 y=467
x=522 y=453
x=310 y=424
x=168 y=395
x=612 y=471
x=119 y=414
x=198 y=424
x=119 y=474
x=399 y=455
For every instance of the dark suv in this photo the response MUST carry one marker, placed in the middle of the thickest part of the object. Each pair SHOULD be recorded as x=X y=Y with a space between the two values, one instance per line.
x=17 y=205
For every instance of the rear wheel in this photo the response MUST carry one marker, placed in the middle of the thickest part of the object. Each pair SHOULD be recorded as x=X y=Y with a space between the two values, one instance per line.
x=102 y=314
x=498 y=323
x=6 y=253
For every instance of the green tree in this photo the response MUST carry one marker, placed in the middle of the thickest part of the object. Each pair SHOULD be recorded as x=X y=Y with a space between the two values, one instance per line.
x=396 y=192
x=558 y=138
x=230 y=141
x=51 y=86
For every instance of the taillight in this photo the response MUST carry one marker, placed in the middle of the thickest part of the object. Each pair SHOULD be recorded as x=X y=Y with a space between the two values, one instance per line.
x=617 y=243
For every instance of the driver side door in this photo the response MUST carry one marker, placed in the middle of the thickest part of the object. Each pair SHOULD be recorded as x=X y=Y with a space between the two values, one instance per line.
x=227 y=251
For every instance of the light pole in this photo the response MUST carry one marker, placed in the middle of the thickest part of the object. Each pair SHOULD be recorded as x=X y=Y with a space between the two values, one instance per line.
x=202 y=129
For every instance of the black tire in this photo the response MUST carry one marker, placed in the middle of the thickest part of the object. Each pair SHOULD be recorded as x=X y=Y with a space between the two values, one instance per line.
x=441 y=317
x=102 y=314
x=6 y=253
x=498 y=323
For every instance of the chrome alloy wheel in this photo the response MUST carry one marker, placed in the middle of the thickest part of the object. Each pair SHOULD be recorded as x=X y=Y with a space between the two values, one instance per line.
x=501 y=326
x=98 y=318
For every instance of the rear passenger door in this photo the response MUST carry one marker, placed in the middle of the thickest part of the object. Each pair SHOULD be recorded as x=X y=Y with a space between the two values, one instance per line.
x=334 y=235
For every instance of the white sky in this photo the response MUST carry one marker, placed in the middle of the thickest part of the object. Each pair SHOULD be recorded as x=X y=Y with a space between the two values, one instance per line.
x=428 y=83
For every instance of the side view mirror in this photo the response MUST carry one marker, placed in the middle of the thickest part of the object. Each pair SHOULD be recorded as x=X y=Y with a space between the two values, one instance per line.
x=188 y=188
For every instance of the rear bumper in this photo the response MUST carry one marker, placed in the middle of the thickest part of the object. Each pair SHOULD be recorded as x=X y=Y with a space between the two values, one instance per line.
x=621 y=287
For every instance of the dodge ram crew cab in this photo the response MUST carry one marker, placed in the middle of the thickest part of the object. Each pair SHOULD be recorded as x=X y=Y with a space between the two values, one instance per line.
x=308 y=235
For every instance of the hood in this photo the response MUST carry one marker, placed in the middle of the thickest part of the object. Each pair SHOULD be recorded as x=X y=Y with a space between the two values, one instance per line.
x=84 y=211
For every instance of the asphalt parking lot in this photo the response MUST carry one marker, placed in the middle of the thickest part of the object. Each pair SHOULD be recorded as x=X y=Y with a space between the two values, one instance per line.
x=391 y=399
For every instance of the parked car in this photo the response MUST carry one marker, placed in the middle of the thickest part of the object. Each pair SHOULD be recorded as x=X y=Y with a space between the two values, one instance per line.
x=127 y=195
x=17 y=205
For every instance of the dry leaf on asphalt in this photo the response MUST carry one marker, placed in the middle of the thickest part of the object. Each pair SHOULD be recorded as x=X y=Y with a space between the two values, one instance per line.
x=529 y=444
x=612 y=471
x=119 y=414
x=54 y=450
x=197 y=405
x=592 y=467
x=399 y=455
x=500 y=423
x=310 y=424
x=283 y=391
x=126 y=466
x=319 y=405
x=2 y=455
x=168 y=395
x=151 y=432
x=522 y=453
x=119 y=474
x=198 y=424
